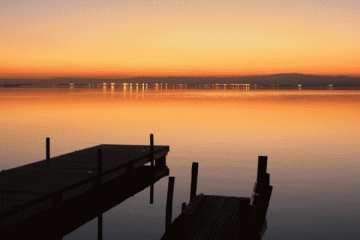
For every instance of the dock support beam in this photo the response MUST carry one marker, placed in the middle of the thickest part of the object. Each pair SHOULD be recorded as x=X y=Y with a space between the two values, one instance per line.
x=152 y=149
x=194 y=176
x=47 y=148
x=169 y=203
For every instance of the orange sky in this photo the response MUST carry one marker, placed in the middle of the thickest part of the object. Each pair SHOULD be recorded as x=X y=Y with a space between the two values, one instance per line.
x=193 y=38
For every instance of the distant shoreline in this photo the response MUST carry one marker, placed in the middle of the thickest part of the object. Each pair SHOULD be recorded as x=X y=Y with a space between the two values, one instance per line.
x=277 y=80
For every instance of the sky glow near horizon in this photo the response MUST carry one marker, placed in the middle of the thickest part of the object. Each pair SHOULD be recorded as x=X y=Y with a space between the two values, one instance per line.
x=178 y=38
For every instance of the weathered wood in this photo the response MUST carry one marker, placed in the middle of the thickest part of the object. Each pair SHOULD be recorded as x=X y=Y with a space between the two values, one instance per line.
x=198 y=217
x=220 y=228
x=27 y=190
x=80 y=210
x=169 y=203
x=262 y=165
x=220 y=217
x=47 y=148
x=194 y=204
x=240 y=220
x=214 y=217
x=194 y=176
x=161 y=162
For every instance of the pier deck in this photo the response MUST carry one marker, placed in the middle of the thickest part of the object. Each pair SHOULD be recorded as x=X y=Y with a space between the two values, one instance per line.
x=209 y=217
x=29 y=190
x=214 y=217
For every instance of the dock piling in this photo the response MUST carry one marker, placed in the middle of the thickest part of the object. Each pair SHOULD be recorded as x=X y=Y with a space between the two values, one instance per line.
x=47 y=148
x=152 y=149
x=194 y=176
x=169 y=203
x=262 y=165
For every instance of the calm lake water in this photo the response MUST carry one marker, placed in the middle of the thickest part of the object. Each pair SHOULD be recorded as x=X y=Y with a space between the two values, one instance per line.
x=311 y=138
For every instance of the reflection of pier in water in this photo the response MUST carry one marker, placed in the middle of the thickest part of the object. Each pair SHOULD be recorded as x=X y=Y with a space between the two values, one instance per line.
x=51 y=198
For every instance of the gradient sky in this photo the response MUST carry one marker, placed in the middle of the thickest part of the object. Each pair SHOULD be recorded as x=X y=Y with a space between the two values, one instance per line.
x=113 y=38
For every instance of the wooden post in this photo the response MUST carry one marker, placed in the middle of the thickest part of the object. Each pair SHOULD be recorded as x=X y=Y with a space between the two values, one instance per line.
x=194 y=176
x=262 y=164
x=99 y=168
x=169 y=203
x=47 y=148
x=152 y=149
x=183 y=206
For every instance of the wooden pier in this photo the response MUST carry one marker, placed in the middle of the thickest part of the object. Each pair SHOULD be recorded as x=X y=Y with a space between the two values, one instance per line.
x=209 y=217
x=61 y=193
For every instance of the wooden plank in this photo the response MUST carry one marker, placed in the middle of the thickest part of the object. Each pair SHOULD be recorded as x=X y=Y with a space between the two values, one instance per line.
x=211 y=214
x=240 y=220
x=63 y=177
x=190 y=209
x=180 y=225
x=220 y=227
x=74 y=213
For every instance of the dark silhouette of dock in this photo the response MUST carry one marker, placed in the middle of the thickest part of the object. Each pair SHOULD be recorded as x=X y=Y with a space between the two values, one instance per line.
x=209 y=217
x=50 y=198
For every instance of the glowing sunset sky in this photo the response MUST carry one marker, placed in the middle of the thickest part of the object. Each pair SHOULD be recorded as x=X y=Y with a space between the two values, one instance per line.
x=122 y=38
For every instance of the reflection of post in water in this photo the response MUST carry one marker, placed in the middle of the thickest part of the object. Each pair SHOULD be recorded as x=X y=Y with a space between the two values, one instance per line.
x=100 y=226
x=137 y=91
x=112 y=90
x=100 y=216
x=124 y=87
x=130 y=88
x=152 y=194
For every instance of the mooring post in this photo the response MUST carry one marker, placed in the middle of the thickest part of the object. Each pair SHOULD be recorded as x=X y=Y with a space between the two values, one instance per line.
x=152 y=149
x=169 y=203
x=47 y=148
x=262 y=164
x=194 y=176
x=100 y=166
x=183 y=206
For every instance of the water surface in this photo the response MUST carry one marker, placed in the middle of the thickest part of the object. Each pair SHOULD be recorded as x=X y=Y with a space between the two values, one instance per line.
x=311 y=138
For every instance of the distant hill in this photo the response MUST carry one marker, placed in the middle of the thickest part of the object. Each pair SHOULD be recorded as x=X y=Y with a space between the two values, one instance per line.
x=292 y=79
